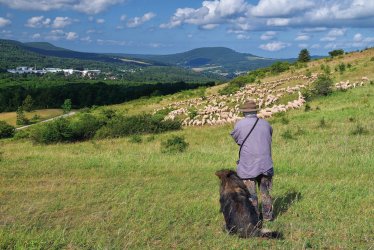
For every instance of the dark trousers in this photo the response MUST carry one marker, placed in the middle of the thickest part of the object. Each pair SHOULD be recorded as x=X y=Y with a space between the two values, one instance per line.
x=264 y=184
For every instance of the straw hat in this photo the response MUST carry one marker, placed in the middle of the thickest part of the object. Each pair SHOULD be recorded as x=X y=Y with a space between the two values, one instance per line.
x=248 y=106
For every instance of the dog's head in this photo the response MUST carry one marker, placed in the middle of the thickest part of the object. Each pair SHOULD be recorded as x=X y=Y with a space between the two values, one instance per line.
x=223 y=174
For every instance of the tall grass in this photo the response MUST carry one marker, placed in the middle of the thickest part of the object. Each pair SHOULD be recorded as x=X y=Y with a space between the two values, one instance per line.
x=115 y=194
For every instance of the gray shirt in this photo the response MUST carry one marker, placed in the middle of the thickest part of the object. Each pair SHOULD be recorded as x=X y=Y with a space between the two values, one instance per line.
x=255 y=157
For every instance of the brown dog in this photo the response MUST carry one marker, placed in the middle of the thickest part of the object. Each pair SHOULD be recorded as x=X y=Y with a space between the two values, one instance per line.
x=239 y=213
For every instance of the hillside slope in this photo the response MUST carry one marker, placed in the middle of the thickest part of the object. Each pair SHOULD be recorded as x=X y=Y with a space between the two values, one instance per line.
x=136 y=197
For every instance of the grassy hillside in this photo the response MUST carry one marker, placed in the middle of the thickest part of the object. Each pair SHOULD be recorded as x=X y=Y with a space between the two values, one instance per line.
x=121 y=195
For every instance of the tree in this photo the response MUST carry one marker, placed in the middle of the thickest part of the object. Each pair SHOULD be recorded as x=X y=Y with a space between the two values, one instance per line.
x=323 y=85
x=21 y=118
x=336 y=52
x=28 y=104
x=304 y=56
x=66 y=106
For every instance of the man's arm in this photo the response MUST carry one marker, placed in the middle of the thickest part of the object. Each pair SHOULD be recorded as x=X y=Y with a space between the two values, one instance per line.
x=235 y=135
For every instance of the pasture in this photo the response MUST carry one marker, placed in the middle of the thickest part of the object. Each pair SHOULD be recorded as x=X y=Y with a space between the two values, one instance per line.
x=116 y=194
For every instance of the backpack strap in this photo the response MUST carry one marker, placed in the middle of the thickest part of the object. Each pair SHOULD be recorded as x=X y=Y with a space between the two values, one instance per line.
x=247 y=136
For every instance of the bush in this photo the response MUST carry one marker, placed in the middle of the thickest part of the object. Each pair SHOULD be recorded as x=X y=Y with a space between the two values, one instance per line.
x=372 y=59
x=138 y=124
x=52 y=132
x=359 y=130
x=307 y=107
x=6 y=130
x=22 y=134
x=175 y=144
x=84 y=127
x=135 y=139
x=323 y=85
x=336 y=52
x=287 y=135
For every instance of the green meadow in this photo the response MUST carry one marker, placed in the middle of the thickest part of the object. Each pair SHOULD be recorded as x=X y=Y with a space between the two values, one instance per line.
x=117 y=194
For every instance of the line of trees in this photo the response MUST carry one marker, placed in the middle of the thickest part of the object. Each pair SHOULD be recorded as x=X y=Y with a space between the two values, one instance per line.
x=85 y=95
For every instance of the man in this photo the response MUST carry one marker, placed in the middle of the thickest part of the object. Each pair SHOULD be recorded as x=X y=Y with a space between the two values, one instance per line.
x=255 y=164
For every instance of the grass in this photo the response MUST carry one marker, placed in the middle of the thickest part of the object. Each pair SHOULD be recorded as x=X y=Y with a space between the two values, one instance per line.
x=115 y=194
x=10 y=117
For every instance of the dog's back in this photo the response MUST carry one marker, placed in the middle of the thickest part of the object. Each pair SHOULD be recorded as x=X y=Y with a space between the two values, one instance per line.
x=239 y=213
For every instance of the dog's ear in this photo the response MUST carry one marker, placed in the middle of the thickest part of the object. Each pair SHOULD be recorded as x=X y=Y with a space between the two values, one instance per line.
x=222 y=173
x=225 y=173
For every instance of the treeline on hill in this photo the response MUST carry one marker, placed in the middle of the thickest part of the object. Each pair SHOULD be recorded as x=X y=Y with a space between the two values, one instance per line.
x=84 y=94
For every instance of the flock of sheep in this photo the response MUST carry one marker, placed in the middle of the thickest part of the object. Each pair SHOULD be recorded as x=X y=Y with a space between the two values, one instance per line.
x=222 y=109
x=347 y=85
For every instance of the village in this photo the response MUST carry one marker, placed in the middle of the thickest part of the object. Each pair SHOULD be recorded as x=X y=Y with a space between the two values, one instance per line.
x=31 y=70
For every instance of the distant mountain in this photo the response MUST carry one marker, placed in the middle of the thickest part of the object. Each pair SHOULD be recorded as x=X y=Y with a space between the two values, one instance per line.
x=213 y=59
x=42 y=55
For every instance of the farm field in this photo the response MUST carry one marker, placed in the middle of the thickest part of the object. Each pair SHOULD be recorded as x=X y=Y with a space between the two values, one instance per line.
x=114 y=194
x=44 y=114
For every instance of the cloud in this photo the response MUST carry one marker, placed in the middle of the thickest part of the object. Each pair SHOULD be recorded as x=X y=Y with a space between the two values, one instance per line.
x=61 y=22
x=211 y=12
x=278 y=21
x=268 y=35
x=71 y=36
x=122 y=18
x=36 y=36
x=112 y=42
x=280 y=8
x=85 y=6
x=4 y=22
x=100 y=21
x=357 y=37
x=137 y=21
x=333 y=34
x=302 y=37
x=303 y=45
x=86 y=39
x=243 y=37
x=274 y=46
x=38 y=22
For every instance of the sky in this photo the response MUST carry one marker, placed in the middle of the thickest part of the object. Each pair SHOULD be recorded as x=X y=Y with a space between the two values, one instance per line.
x=268 y=28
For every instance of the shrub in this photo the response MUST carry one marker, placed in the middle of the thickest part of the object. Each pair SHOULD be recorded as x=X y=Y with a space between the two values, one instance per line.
x=192 y=112
x=21 y=118
x=336 y=52
x=285 y=120
x=307 y=107
x=304 y=56
x=137 y=124
x=341 y=68
x=287 y=135
x=84 y=127
x=175 y=144
x=22 y=134
x=323 y=85
x=6 y=130
x=52 y=132
x=135 y=139
x=372 y=59
x=322 y=123
x=359 y=130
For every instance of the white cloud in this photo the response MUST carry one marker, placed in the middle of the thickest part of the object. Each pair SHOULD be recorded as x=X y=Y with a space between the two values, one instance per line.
x=278 y=21
x=274 y=46
x=4 y=22
x=6 y=34
x=357 y=37
x=112 y=42
x=71 y=36
x=302 y=37
x=211 y=12
x=123 y=18
x=243 y=37
x=315 y=46
x=315 y=29
x=209 y=26
x=36 y=36
x=61 y=22
x=85 y=6
x=279 y=8
x=333 y=34
x=303 y=45
x=38 y=22
x=137 y=21
x=86 y=39
x=100 y=21
x=268 y=35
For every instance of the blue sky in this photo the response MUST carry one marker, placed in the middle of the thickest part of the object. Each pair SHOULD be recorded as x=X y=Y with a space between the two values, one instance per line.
x=269 y=28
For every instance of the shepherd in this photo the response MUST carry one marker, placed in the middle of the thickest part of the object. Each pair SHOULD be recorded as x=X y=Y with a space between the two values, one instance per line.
x=255 y=164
